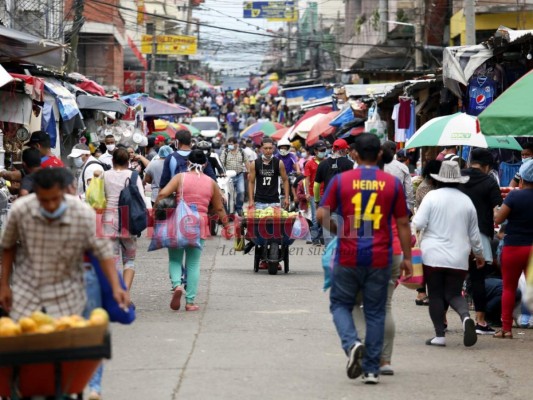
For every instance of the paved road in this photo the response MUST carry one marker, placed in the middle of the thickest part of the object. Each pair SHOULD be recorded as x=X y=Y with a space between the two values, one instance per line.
x=271 y=337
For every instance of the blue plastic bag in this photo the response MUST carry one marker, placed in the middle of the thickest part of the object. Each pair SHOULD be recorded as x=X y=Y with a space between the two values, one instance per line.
x=116 y=313
x=328 y=261
x=181 y=230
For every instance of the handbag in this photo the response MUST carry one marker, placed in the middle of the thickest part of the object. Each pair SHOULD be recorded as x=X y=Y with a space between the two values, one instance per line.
x=416 y=281
x=116 y=313
x=376 y=126
x=180 y=230
x=165 y=207
x=300 y=228
x=95 y=194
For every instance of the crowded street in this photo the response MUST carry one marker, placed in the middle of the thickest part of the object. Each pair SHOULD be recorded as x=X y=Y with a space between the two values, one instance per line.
x=271 y=337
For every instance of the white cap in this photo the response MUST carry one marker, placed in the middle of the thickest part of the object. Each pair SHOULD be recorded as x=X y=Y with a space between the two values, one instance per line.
x=77 y=152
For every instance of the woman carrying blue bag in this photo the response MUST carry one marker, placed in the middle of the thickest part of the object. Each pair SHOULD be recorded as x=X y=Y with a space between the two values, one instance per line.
x=199 y=192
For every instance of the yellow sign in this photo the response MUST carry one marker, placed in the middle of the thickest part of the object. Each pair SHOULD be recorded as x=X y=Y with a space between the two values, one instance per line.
x=140 y=12
x=170 y=44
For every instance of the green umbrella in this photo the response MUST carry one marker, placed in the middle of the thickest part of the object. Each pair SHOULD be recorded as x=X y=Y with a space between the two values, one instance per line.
x=458 y=130
x=511 y=114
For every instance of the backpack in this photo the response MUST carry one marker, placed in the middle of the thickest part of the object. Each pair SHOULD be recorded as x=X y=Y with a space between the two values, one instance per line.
x=105 y=167
x=132 y=207
x=181 y=164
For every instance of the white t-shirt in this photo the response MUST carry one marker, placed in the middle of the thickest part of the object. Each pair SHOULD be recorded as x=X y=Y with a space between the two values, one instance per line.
x=449 y=220
x=399 y=134
x=87 y=173
x=106 y=158
x=250 y=154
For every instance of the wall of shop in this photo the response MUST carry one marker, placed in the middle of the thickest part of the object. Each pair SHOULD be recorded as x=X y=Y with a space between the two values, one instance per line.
x=487 y=22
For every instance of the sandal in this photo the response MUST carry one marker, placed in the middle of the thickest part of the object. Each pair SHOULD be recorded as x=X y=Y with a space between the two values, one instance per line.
x=191 y=307
x=422 y=302
x=501 y=334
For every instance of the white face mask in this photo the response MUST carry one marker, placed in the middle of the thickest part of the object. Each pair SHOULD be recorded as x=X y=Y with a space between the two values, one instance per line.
x=110 y=147
x=526 y=159
x=304 y=155
x=78 y=162
x=284 y=152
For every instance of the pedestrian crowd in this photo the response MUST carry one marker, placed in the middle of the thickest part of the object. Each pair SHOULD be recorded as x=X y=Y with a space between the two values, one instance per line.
x=359 y=200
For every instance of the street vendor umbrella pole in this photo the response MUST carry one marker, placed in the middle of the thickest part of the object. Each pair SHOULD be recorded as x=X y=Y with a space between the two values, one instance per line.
x=458 y=130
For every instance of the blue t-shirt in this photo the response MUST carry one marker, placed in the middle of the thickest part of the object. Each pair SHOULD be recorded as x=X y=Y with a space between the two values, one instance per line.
x=519 y=228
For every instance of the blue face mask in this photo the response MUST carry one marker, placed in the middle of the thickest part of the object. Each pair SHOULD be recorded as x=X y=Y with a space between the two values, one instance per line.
x=57 y=213
x=321 y=154
x=328 y=152
x=231 y=147
x=184 y=153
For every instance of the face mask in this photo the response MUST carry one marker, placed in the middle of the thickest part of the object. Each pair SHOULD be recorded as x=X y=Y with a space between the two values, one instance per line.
x=526 y=159
x=321 y=154
x=57 y=213
x=231 y=147
x=284 y=152
x=266 y=158
x=78 y=162
x=184 y=153
x=110 y=147
x=328 y=152
x=206 y=152
x=304 y=155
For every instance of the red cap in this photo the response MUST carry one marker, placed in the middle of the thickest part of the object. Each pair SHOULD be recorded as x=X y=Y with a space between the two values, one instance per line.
x=159 y=139
x=340 y=144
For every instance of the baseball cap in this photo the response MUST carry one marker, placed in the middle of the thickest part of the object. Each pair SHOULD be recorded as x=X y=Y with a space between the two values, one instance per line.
x=159 y=139
x=320 y=145
x=340 y=144
x=39 y=137
x=79 y=150
x=481 y=156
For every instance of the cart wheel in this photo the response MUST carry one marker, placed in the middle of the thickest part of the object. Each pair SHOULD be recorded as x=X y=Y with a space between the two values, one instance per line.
x=286 y=259
x=272 y=268
x=257 y=258
x=213 y=226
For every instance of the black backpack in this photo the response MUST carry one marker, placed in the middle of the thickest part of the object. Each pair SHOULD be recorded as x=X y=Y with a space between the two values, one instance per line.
x=132 y=207
x=105 y=167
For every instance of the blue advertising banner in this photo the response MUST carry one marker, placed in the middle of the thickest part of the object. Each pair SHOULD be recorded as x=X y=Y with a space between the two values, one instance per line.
x=271 y=10
x=300 y=95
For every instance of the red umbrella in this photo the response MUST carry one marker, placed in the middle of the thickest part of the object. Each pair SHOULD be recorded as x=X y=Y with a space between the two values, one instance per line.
x=257 y=137
x=278 y=135
x=321 y=128
x=273 y=91
x=313 y=112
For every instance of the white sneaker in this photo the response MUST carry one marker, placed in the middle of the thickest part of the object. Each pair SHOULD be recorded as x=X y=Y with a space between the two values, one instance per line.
x=354 y=367
x=370 y=379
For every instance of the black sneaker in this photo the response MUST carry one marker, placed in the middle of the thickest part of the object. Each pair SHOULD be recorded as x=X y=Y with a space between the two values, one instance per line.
x=370 y=379
x=354 y=367
x=469 y=335
x=485 y=330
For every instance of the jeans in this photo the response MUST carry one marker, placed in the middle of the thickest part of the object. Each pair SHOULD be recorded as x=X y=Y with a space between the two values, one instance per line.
x=444 y=287
x=390 y=326
x=238 y=184
x=262 y=206
x=345 y=287
x=316 y=229
x=94 y=300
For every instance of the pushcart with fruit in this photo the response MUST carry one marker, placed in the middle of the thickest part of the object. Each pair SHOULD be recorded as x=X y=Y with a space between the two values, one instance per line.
x=270 y=231
x=51 y=362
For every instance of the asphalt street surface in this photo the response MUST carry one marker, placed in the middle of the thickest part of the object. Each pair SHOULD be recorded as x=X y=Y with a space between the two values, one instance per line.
x=259 y=336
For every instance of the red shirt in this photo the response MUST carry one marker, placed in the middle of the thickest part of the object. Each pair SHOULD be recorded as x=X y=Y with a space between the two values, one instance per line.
x=311 y=166
x=367 y=199
x=52 y=162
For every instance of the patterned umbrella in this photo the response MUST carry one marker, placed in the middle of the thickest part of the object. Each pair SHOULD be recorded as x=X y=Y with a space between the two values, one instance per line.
x=321 y=128
x=194 y=131
x=267 y=127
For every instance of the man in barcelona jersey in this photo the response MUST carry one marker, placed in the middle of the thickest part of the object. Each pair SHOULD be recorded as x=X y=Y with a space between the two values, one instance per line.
x=366 y=199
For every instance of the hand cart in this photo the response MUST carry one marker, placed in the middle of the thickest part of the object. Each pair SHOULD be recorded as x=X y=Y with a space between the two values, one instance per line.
x=55 y=373
x=272 y=238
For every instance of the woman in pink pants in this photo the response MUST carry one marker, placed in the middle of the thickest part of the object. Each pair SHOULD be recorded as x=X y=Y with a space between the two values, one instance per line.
x=518 y=211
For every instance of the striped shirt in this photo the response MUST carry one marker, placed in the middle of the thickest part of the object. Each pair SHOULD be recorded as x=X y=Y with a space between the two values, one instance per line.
x=233 y=160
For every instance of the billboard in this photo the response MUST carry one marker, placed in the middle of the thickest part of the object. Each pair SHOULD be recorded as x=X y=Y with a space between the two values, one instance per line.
x=303 y=94
x=170 y=44
x=283 y=11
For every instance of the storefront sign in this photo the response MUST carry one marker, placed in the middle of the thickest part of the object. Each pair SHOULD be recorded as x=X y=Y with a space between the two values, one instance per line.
x=170 y=44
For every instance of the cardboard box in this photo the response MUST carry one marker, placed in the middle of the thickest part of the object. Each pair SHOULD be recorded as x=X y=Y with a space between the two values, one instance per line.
x=67 y=339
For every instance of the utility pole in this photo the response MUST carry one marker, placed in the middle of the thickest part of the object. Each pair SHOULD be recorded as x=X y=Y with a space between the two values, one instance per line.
x=72 y=63
x=188 y=31
x=419 y=36
x=470 y=17
x=152 y=63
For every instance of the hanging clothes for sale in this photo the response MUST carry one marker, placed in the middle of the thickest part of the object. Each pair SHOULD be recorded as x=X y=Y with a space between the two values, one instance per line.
x=483 y=88
x=404 y=113
x=399 y=134
x=409 y=132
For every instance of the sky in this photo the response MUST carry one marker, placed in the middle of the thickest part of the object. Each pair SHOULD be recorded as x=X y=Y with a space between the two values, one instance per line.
x=234 y=53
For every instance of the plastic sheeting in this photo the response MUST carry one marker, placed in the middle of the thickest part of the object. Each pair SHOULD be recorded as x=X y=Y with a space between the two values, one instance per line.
x=87 y=102
x=15 y=107
x=66 y=101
